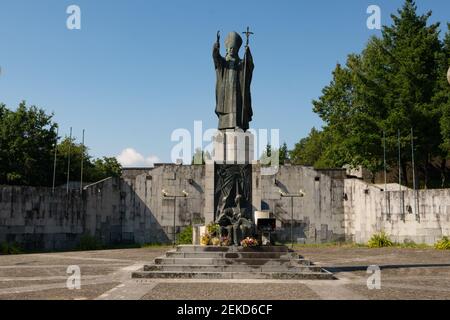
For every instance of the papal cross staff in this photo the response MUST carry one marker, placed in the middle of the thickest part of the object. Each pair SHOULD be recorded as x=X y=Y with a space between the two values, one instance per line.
x=247 y=34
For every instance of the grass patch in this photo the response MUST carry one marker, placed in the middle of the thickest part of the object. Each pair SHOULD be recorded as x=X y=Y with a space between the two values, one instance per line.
x=380 y=240
x=88 y=243
x=443 y=244
x=185 y=237
x=7 y=248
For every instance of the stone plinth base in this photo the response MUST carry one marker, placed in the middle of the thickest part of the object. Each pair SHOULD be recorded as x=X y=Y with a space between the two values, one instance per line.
x=233 y=147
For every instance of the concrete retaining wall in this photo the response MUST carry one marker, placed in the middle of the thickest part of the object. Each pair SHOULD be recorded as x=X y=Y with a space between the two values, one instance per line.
x=133 y=210
x=422 y=216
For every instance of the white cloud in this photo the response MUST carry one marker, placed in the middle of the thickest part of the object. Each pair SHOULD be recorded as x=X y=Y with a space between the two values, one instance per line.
x=129 y=157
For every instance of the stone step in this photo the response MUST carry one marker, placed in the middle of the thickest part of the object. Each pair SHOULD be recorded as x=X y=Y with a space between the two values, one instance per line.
x=233 y=255
x=193 y=248
x=231 y=268
x=230 y=261
x=324 y=275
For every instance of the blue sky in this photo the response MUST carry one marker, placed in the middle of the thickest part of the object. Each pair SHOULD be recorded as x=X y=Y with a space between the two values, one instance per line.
x=139 y=69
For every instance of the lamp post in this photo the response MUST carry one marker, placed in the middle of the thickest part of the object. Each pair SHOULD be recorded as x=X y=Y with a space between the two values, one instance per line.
x=166 y=195
x=301 y=194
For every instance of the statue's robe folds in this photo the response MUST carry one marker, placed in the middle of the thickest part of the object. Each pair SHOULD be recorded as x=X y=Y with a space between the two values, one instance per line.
x=233 y=98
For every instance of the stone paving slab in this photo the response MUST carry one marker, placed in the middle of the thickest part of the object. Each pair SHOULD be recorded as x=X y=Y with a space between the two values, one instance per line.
x=230 y=291
x=405 y=274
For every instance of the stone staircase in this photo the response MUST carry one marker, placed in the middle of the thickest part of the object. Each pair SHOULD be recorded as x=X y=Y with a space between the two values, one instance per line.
x=209 y=262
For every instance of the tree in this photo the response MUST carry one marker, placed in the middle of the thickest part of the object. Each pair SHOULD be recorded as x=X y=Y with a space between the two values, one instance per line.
x=200 y=157
x=105 y=168
x=93 y=170
x=441 y=100
x=390 y=86
x=308 y=151
x=282 y=154
x=27 y=145
x=27 y=138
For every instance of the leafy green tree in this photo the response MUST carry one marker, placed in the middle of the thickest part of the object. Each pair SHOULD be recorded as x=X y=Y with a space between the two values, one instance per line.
x=441 y=100
x=27 y=138
x=106 y=167
x=268 y=155
x=27 y=146
x=93 y=170
x=309 y=150
x=390 y=86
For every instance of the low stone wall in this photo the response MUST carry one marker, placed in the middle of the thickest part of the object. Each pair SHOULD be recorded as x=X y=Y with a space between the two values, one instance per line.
x=422 y=216
x=132 y=209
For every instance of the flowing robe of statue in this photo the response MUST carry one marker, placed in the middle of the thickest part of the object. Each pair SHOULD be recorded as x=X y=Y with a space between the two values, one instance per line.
x=233 y=98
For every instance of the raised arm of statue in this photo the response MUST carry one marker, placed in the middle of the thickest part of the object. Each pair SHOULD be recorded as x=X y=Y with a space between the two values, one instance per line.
x=218 y=59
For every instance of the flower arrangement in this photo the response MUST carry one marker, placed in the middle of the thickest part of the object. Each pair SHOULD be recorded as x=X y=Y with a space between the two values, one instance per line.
x=225 y=241
x=205 y=239
x=213 y=229
x=249 y=242
x=215 y=241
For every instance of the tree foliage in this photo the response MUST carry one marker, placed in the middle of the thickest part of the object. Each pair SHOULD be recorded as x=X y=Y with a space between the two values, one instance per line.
x=27 y=148
x=396 y=83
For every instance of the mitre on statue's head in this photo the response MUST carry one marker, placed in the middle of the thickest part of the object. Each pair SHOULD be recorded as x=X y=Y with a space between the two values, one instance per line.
x=233 y=40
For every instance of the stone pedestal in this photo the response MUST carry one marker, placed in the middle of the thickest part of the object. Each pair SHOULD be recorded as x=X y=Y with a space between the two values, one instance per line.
x=233 y=147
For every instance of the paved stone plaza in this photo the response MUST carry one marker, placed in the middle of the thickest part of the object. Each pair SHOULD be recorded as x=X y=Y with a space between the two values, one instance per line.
x=408 y=274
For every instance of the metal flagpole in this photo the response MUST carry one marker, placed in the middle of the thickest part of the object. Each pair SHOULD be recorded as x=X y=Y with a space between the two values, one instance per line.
x=54 y=161
x=82 y=159
x=414 y=172
x=400 y=172
x=68 y=161
x=385 y=171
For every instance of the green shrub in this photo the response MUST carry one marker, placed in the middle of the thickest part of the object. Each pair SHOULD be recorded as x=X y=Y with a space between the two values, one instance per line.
x=380 y=240
x=88 y=242
x=185 y=237
x=443 y=244
x=10 y=248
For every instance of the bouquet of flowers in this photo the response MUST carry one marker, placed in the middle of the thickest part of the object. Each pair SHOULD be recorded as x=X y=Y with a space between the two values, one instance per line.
x=213 y=229
x=215 y=241
x=249 y=242
x=225 y=241
x=205 y=239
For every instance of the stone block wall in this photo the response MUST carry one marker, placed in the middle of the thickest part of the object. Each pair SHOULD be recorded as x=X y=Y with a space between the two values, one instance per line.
x=420 y=216
x=318 y=216
x=132 y=209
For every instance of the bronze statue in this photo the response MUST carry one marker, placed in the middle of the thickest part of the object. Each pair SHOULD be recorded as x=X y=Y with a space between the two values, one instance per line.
x=234 y=77
x=233 y=223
